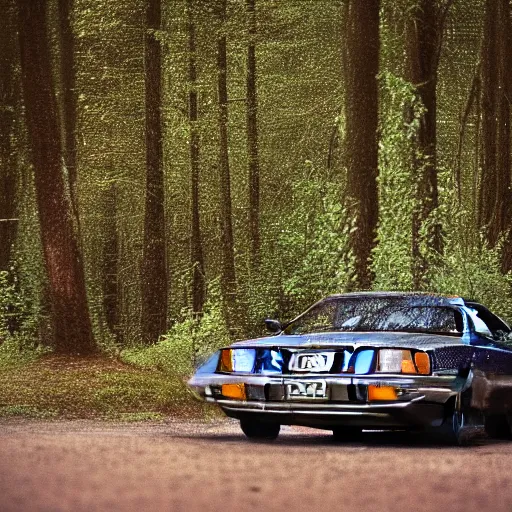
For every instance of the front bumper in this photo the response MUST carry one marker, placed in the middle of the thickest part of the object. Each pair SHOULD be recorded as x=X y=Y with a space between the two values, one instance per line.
x=420 y=399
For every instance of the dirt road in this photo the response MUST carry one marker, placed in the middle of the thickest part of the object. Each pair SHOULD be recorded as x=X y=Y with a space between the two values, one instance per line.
x=176 y=466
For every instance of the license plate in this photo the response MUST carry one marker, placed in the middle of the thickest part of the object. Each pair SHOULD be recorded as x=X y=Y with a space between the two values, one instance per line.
x=306 y=390
x=311 y=361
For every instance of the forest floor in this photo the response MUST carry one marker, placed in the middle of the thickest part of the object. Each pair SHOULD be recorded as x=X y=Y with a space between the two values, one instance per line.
x=52 y=386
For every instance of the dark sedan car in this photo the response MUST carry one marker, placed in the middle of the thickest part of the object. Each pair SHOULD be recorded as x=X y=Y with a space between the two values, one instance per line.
x=370 y=360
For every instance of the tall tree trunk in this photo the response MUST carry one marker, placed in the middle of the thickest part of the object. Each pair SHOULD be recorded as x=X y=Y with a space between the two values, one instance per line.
x=361 y=124
x=69 y=96
x=154 y=265
x=503 y=203
x=196 y=247
x=424 y=39
x=9 y=97
x=110 y=280
x=487 y=198
x=495 y=198
x=70 y=312
x=252 y=138
x=228 y=278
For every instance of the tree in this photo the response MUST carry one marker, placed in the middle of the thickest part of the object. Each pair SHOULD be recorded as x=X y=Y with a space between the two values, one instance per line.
x=69 y=96
x=228 y=276
x=110 y=256
x=154 y=271
x=424 y=43
x=63 y=260
x=362 y=109
x=8 y=106
x=252 y=138
x=495 y=198
x=196 y=248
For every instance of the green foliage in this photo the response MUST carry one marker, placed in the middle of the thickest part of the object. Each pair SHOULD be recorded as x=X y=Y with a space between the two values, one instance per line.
x=91 y=387
x=259 y=296
x=18 y=316
x=314 y=242
x=26 y=411
x=188 y=342
x=474 y=271
x=400 y=117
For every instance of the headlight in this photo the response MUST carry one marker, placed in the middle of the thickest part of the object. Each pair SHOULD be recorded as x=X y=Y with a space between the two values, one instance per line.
x=237 y=360
x=250 y=360
x=402 y=361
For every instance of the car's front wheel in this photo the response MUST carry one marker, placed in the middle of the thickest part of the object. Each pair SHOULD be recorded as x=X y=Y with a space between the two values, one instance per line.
x=260 y=430
x=454 y=429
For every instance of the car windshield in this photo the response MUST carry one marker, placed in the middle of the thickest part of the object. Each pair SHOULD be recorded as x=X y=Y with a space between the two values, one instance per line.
x=378 y=314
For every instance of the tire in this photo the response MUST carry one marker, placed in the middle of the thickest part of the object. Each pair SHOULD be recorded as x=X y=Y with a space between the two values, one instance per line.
x=260 y=430
x=346 y=433
x=453 y=430
x=497 y=426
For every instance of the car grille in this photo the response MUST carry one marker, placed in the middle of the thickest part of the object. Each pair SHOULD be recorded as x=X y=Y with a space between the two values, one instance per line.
x=449 y=358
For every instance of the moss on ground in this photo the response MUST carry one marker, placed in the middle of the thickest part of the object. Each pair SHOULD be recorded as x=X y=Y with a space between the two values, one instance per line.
x=91 y=387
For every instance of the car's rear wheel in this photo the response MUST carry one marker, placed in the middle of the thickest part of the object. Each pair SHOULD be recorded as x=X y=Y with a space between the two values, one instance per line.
x=497 y=426
x=260 y=430
x=346 y=433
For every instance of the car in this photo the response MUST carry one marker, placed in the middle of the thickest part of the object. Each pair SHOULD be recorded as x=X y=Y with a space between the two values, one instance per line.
x=370 y=360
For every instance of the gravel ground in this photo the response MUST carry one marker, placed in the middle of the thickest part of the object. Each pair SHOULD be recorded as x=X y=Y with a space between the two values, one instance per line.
x=188 y=466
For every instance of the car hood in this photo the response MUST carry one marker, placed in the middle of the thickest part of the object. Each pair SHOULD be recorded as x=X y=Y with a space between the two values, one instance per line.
x=355 y=339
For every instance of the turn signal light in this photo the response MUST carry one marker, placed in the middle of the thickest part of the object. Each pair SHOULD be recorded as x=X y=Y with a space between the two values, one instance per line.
x=407 y=362
x=422 y=362
x=226 y=361
x=381 y=393
x=236 y=391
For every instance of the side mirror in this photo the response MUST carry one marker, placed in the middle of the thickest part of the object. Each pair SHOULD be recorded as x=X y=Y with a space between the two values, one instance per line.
x=273 y=325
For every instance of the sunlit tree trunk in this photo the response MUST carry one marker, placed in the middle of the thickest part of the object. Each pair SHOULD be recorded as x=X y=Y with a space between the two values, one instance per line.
x=361 y=125
x=252 y=138
x=63 y=260
x=69 y=96
x=154 y=264
x=9 y=92
x=228 y=279
x=196 y=248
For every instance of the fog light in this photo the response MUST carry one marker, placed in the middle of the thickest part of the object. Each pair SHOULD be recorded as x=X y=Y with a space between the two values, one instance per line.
x=381 y=393
x=236 y=391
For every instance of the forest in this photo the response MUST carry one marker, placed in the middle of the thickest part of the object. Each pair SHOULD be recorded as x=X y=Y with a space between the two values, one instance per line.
x=174 y=171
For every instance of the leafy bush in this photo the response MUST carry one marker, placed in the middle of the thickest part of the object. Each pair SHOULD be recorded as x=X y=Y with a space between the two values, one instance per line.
x=18 y=319
x=187 y=344
x=392 y=261
x=474 y=271
x=314 y=245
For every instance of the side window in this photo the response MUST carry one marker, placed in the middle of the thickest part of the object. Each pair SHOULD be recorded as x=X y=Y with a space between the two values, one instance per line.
x=479 y=324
